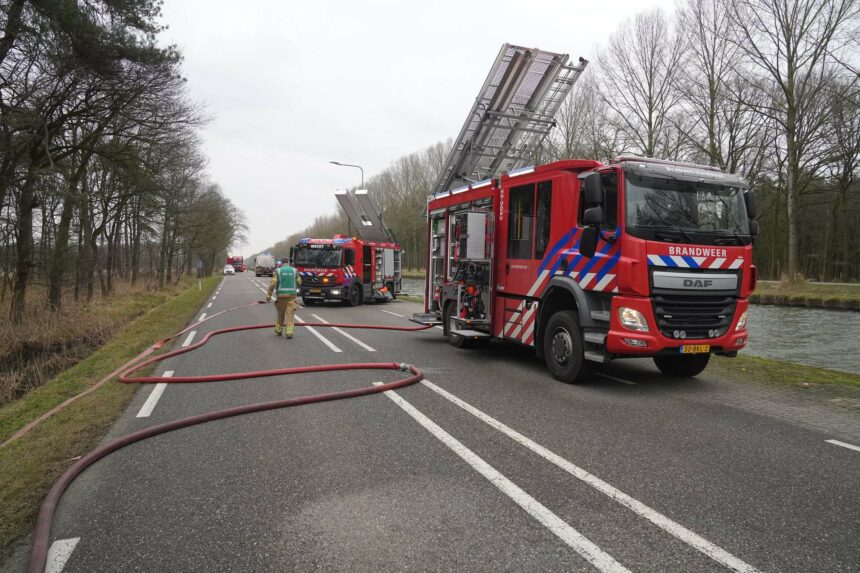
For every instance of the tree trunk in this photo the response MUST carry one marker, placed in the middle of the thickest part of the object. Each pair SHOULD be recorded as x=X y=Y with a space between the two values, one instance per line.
x=24 y=242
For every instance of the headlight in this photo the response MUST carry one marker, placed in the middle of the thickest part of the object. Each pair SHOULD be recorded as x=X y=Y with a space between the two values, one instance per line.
x=742 y=322
x=632 y=319
x=335 y=292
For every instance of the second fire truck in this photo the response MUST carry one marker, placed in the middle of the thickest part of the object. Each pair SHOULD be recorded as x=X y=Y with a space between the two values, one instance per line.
x=347 y=269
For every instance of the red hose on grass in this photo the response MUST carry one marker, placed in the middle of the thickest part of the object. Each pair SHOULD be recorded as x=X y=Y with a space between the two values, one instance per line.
x=42 y=534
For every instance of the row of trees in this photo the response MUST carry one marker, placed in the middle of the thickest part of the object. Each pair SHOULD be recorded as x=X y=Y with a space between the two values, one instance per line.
x=768 y=89
x=101 y=174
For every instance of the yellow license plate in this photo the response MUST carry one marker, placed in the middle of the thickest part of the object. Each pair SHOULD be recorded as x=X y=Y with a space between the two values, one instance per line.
x=695 y=348
x=315 y=290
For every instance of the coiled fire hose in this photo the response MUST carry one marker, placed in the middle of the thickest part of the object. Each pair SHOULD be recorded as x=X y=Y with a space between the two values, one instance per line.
x=42 y=534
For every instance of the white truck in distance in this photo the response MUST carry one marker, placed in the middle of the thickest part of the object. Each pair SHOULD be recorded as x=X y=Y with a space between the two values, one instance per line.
x=264 y=265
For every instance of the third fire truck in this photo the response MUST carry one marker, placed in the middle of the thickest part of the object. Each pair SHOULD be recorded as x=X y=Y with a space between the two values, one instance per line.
x=581 y=261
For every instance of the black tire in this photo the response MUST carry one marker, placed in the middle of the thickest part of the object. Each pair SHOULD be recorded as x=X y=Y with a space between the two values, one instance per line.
x=682 y=366
x=309 y=301
x=563 y=348
x=354 y=296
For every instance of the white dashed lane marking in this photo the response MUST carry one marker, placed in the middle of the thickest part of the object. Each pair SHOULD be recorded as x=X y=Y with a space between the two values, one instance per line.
x=844 y=445
x=692 y=539
x=345 y=334
x=154 y=396
x=59 y=553
x=322 y=338
x=189 y=338
x=601 y=560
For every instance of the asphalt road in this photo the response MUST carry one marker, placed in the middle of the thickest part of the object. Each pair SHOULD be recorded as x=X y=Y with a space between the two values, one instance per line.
x=494 y=466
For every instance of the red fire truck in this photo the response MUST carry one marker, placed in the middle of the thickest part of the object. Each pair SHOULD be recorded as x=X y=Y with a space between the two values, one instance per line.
x=587 y=262
x=237 y=262
x=347 y=269
x=584 y=262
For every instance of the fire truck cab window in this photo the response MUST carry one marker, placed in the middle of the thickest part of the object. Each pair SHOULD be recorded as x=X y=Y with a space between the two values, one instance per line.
x=348 y=257
x=521 y=206
x=544 y=203
x=610 y=203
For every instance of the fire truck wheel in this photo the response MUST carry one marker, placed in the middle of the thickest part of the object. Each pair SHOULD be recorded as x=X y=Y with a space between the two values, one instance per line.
x=682 y=366
x=448 y=323
x=354 y=296
x=564 y=349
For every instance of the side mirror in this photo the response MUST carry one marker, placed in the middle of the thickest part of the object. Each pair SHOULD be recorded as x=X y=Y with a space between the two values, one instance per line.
x=588 y=241
x=749 y=200
x=753 y=228
x=593 y=216
x=592 y=186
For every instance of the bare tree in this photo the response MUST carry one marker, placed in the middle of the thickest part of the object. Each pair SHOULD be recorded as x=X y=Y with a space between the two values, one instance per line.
x=638 y=81
x=793 y=47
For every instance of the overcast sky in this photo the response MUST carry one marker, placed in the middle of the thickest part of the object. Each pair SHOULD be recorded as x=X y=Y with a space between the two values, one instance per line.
x=293 y=85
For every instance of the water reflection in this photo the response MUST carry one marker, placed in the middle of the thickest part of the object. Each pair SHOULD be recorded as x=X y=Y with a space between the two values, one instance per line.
x=813 y=336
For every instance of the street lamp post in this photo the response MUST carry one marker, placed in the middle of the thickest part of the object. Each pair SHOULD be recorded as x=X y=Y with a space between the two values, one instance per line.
x=348 y=225
x=350 y=165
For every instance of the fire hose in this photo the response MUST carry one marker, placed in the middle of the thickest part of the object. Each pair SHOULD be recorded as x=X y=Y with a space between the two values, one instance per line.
x=44 y=522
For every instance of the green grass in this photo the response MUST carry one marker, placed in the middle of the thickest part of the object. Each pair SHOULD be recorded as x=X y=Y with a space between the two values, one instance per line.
x=804 y=293
x=30 y=465
x=410 y=298
x=841 y=388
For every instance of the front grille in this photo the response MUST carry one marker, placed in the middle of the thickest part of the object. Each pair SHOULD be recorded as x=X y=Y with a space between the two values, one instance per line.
x=696 y=316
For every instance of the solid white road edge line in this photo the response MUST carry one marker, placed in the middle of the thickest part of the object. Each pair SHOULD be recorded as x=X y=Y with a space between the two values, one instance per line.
x=59 y=553
x=189 y=338
x=154 y=396
x=322 y=338
x=345 y=334
x=844 y=445
x=694 y=540
x=560 y=528
x=622 y=380
x=394 y=313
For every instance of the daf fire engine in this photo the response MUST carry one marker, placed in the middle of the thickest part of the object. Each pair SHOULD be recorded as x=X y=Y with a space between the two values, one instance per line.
x=586 y=262
x=347 y=269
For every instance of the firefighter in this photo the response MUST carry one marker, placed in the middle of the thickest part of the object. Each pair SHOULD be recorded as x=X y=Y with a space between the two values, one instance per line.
x=286 y=282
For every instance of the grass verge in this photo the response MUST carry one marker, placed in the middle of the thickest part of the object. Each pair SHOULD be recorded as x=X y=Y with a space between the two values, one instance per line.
x=30 y=465
x=840 y=388
x=843 y=297
x=410 y=298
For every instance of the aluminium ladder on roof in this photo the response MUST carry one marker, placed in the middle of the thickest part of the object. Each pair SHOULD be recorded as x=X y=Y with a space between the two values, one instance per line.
x=512 y=115
x=364 y=217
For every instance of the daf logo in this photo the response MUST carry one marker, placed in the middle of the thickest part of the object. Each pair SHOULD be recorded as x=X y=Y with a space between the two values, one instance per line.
x=698 y=283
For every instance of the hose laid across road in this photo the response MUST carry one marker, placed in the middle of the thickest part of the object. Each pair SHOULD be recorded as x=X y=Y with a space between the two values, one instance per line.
x=42 y=534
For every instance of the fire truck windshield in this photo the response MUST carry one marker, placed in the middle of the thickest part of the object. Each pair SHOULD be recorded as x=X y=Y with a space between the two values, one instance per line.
x=322 y=256
x=674 y=210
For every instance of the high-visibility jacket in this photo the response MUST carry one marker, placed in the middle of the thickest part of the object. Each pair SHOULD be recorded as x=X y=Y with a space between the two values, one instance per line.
x=285 y=281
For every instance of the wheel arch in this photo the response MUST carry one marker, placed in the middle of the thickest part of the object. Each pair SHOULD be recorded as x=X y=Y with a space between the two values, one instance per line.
x=560 y=294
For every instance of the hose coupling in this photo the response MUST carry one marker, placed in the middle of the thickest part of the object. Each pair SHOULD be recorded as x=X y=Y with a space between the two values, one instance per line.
x=405 y=367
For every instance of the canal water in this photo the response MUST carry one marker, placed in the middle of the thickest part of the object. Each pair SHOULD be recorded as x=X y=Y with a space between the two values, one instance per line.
x=812 y=336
